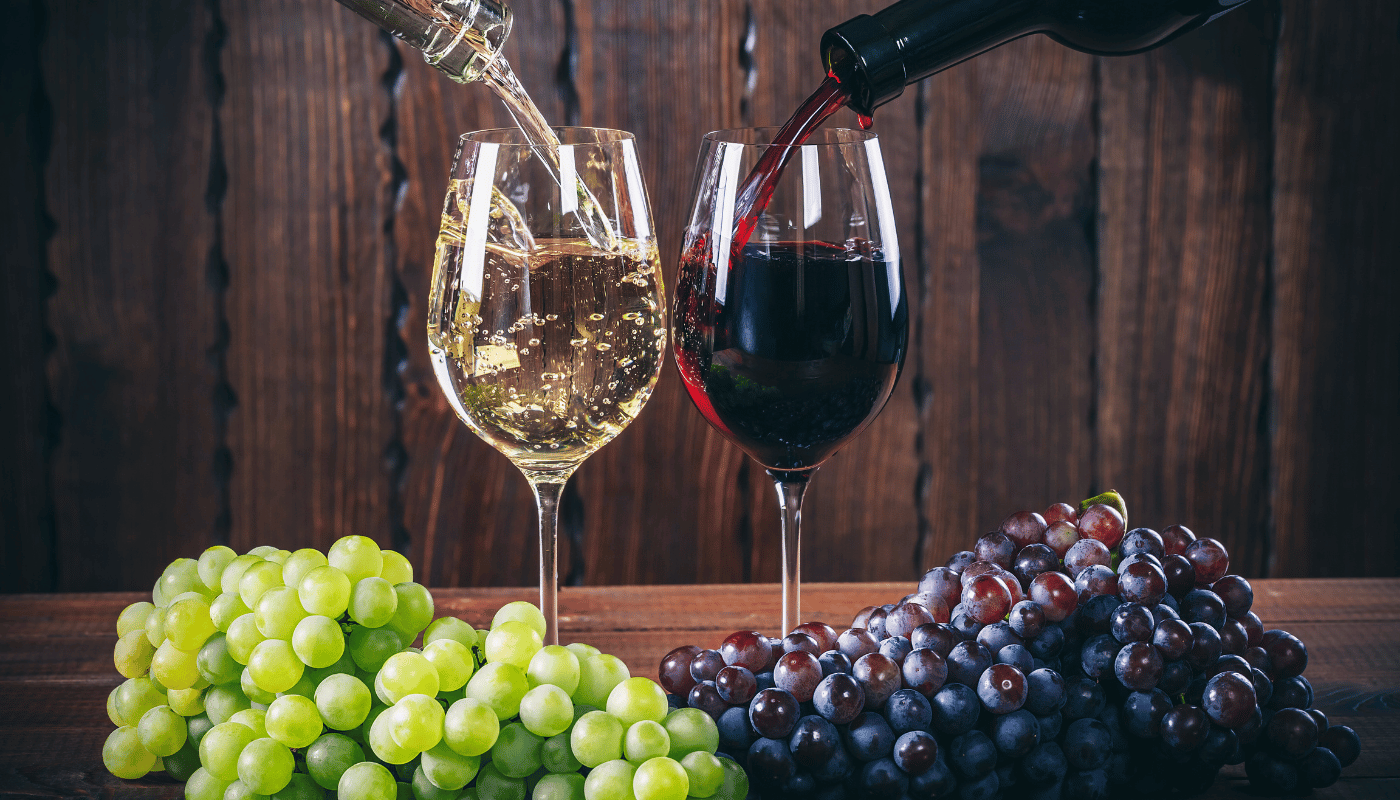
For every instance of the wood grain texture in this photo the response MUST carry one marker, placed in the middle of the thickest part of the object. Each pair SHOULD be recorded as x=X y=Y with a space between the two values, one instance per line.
x=56 y=669
x=1006 y=336
x=1183 y=332
x=1336 y=368
x=309 y=281
x=132 y=314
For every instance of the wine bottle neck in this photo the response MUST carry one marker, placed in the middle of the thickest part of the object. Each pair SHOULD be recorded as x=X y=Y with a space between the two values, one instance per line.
x=459 y=37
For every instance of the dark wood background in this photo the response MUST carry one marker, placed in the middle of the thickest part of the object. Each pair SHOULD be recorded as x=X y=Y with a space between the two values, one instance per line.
x=1174 y=274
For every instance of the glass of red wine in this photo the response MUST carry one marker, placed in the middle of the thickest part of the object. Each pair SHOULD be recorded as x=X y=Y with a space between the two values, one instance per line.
x=791 y=320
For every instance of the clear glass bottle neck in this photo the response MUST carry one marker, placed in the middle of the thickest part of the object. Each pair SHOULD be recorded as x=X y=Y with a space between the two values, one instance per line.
x=459 y=37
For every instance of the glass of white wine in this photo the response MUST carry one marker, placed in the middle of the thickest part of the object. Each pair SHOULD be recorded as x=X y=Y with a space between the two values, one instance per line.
x=546 y=333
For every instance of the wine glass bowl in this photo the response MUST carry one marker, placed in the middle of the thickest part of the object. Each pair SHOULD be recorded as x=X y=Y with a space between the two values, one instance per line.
x=546 y=316
x=790 y=342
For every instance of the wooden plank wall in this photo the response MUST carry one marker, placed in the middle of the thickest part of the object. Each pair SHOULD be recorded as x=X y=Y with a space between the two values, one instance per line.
x=1173 y=274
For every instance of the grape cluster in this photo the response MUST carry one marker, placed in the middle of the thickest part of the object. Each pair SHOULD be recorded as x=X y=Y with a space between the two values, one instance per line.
x=1063 y=657
x=290 y=675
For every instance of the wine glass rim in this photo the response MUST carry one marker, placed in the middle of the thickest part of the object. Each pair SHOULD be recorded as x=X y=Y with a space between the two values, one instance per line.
x=568 y=134
x=763 y=136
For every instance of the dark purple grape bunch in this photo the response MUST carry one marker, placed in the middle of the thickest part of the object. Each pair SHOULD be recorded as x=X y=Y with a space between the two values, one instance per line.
x=1064 y=656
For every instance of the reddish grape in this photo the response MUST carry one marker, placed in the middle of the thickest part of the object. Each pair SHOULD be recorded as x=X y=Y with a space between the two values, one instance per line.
x=915 y=752
x=862 y=619
x=706 y=665
x=1254 y=627
x=986 y=599
x=1233 y=638
x=1138 y=666
x=1142 y=582
x=879 y=677
x=1184 y=728
x=905 y=618
x=1002 y=689
x=1205 y=646
x=1176 y=538
x=1210 y=560
x=925 y=671
x=974 y=569
x=856 y=642
x=736 y=685
x=775 y=652
x=800 y=641
x=1060 y=537
x=824 y=634
x=1289 y=654
x=839 y=698
x=1024 y=527
x=748 y=649
x=798 y=672
x=773 y=713
x=944 y=583
x=1061 y=512
x=1094 y=580
x=675 y=675
x=1342 y=741
x=1013 y=586
x=1292 y=732
x=1086 y=553
x=1103 y=523
x=1172 y=638
x=1237 y=594
x=1054 y=593
x=997 y=548
x=1181 y=576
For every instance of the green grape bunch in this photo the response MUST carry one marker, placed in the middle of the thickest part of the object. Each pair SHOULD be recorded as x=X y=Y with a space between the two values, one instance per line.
x=293 y=675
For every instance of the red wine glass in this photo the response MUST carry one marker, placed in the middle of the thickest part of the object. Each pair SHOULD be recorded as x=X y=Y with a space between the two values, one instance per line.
x=791 y=320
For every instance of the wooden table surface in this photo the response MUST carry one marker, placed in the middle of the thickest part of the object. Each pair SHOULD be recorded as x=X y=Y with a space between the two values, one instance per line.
x=56 y=664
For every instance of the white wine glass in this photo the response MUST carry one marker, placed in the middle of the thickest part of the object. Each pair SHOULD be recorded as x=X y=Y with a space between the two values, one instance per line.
x=546 y=344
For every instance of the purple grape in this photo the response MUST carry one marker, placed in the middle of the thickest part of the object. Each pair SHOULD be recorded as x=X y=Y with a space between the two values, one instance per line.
x=1144 y=541
x=1086 y=553
x=1229 y=700
x=1032 y=560
x=1086 y=744
x=997 y=548
x=748 y=649
x=675 y=675
x=905 y=618
x=1209 y=559
x=1017 y=656
x=856 y=642
x=1142 y=582
x=907 y=710
x=834 y=661
x=925 y=671
x=1342 y=741
x=1203 y=605
x=839 y=698
x=879 y=677
x=1184 y=728
x=1176 y=539
x=1026 y=619
x=937 y=637
x=814 y=740
x=1024 y=528
x=1045 y=692
x=1205 y=646
x=1237 y=594
x=1173 y=638
x=1131 y=622
x=1289 y=654
x=961 y=560
x=944 y=583
x=1095 y=580
x=868 y=737
x=896 y=649
x=800 y=641
x=1181 y=576
x=967 y=661
x=736 y=685
x=705 y=697
x=706 y=665
x=1138 y=666
x=955 y=709
x=998 y=635
x=915 y=751
x=1292 y=733
x=773 y=713
x=799 y=673
x=1143 y=712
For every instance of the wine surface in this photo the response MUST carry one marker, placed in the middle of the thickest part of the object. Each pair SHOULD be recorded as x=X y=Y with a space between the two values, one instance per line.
x=548 y=352
x=802 y=351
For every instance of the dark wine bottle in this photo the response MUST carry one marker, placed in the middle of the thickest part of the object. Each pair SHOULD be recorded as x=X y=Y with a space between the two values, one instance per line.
x=876 y=55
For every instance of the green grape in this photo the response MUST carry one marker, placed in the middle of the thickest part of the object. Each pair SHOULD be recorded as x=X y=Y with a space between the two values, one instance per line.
x=373 y=602
x=358 y=557
x=556 y=666
x=158 y=596
x=597 y=738
x=274 y=666
x=546 y=710
x=582 y=651
x=691 y=730
x=266 y=766
x=396 y=569
x=644 y=741
x=661 y=778
x=133 y=618
x=186 y=702
x=610 y=781
x=517 y=752
x=324 y=591
x=375 y=710
x=422 y=788
x=294 y=721
x=211 y=565
x=215 y=663
x=198 y=725
x=470 y=727
x=181 y=576
x=112 y=713
x=380 y=693
x=413 y=611
x=704 y=772
x=367 y=781
x=132 y=655
x=371 y=647
x=135 y=697
x=382 y=742
x=300 y=787
x=520 y=611
x=233 y=573
x=405 y=791
x=125 y=756
x=226 y=608
x=450 y=628
x=300 y=563
x=188 y=624
x=262 y=551
x=162 y=731
x=258 y=579
x=255 y=693
x=559 y=787
x=452 y=661
x=318 y=641
x=492 y=785
x=636 y=699
x=345 y=665
x=202 y=785
x=329 y=756
x=408 y=673
x=343 y=702
x=222 y=702
x=238 y=790
x=254 y=719
x=416 y=722
x=221 y=746
x=597 y=677
x=305 y=687
x=155 y=627
x=513 y=642
x=278 y=612
x=558 y=754
x=243 y=635
x=448 y=769
x=182 y=763
x=736 y=781
x=501 y=686
x=173 y=667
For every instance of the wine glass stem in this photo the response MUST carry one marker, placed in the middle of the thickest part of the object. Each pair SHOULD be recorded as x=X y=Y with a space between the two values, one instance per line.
x=791 y=487
x=547 y=491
